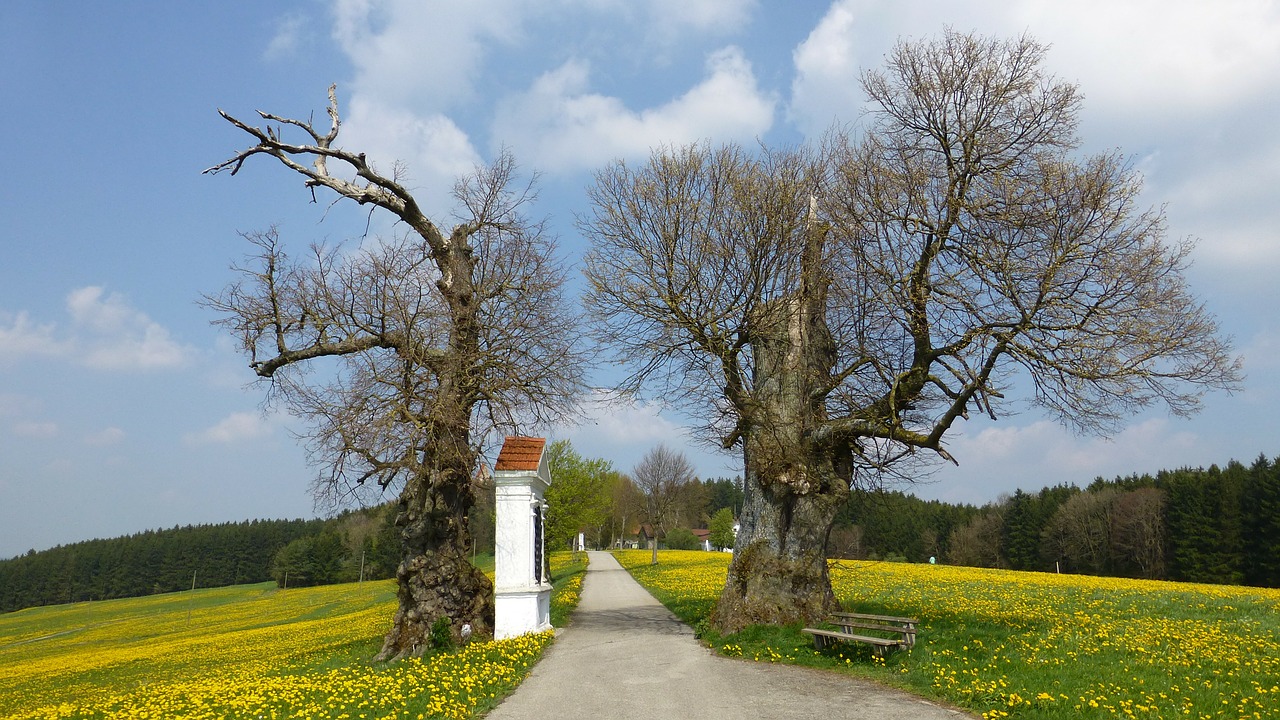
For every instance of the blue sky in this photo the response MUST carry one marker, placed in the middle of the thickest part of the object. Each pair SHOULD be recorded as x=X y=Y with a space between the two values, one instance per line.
x=122 y=408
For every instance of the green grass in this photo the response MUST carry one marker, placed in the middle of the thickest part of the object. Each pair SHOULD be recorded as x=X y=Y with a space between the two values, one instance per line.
x=567 y=572
x=485 y=562
x=1028 y=645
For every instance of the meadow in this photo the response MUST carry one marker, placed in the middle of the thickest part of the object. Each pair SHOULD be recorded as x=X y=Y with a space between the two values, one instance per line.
x=252 y=651
x=1024 y=645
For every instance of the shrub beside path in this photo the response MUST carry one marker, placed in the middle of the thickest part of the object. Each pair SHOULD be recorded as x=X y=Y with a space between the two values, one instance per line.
x=626 y=656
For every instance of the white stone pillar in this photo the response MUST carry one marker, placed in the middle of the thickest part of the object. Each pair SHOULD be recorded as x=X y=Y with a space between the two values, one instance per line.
x=522 y=602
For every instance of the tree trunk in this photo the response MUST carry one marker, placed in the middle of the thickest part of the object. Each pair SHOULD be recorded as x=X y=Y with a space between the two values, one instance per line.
x=778 y=574
x=793 y=485
x=435 y=575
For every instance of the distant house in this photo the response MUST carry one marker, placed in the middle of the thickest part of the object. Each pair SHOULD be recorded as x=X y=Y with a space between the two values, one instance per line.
x=648 y=536
x=704 y=538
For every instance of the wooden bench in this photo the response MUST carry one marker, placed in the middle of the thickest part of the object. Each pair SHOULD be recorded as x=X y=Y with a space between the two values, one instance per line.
x=901 y=631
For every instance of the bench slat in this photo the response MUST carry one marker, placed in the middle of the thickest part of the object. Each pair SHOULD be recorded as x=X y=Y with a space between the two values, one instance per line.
x=882 y=618
x=883 y=642
x=873 y=626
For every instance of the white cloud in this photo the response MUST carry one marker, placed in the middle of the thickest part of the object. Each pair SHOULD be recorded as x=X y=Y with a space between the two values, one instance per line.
x=1149 y=58
x=105 y=333
x=611 y=421
x=1262 y=353
x=1157 y=56
x=415 y=61
x=671 y=19
x=105 y=437
x=21 y=338
x=236 y=427
x=827 y=63
x=422 y=54
x=624 y=431
x=115 y=336
x=560 y=124
x=1186 y=86
x=433 y=151
x=35 y=430
x=1222 y=192
x=416 y=64
x=289 y=32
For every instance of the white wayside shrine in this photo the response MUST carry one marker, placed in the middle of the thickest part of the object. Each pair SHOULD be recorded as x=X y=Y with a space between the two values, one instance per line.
x=522 y=602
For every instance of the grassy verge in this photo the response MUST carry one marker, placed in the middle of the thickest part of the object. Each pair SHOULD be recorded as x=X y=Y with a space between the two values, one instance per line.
x=567 y=571
x=251 y=651
x=1028 y=645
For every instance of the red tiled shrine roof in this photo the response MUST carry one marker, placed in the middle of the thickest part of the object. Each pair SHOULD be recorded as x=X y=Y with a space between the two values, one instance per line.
x=520 y=453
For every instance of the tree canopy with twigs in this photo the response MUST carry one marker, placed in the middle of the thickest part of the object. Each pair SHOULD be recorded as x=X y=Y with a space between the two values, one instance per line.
x=405 y=353
x=661 y=476
x=834 y=311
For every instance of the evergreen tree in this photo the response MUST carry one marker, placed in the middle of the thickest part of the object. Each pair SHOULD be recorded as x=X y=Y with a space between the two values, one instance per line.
x=1228 y=493
x=723 y=493
x=1203 y=520
x=1020 y=536
x=1189 y=520
x=1260 y=506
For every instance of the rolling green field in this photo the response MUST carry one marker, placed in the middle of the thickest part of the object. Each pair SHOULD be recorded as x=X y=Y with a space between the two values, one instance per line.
x=1025 y=645
x=1003 y=644
x=251 y=651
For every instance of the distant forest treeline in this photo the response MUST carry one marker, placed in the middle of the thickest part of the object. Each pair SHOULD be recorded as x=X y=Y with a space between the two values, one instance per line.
x=299 y=552
x=1220 y=525
x=1215 y=525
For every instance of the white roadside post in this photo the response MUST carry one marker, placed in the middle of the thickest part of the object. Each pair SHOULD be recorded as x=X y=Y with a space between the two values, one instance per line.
x=522 y=601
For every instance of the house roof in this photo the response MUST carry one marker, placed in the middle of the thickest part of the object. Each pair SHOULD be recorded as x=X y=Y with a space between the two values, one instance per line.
x=520 y=453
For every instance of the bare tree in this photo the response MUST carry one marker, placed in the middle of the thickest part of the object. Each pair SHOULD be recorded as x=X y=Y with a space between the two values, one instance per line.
x=1081 y=532
x=1138 y=537
x=626 y=503
x=662 y=476
x=977 y=543
x=846 y=542
x=833 y=312
x=404 y=354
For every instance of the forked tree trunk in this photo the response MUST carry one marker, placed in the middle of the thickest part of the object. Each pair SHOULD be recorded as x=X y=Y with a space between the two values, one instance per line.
x=793 y=486
x=792 y=493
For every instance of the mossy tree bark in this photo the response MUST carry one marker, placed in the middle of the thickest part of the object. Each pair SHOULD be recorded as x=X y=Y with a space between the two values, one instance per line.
x=793 y=485
x=435 y=575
